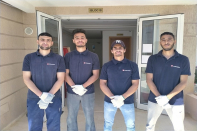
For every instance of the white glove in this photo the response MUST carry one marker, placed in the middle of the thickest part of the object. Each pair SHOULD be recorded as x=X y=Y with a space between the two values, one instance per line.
x=42 y=104
x=116 y=103
x=79 y=89
x=117 y=100
x=47 y=97
x=162 y=100
x=166 y=106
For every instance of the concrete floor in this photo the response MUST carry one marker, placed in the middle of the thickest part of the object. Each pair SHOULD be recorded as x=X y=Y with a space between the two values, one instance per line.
x=163 y=123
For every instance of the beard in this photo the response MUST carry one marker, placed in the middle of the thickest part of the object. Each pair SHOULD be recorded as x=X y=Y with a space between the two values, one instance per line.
x=168 y=49
x=118 y=55
x=80 y=46
x=45 y=48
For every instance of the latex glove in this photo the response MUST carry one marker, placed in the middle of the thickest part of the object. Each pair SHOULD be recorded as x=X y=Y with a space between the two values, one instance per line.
x=47 y=97
x=117 y=101
x=42 y=104
x=162 y=100
x=79 y=89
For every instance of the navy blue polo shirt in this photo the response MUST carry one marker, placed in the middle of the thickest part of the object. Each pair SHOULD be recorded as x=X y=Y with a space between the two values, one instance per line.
x=119 y=76
x=166 y=74
x=43 y=71
x=80 y=67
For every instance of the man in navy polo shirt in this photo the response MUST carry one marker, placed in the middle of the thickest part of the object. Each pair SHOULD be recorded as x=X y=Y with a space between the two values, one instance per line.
x=166 y=75
x=82 y=70
x=119 y=80
x=43 y=73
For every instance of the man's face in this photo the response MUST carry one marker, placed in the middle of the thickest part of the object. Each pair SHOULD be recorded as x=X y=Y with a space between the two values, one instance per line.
x=118 y=50
x=80 y=40
x=167 y=42
x=45 y=42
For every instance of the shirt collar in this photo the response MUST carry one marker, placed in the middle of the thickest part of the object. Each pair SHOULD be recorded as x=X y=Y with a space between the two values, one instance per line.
x=116 y=62
x=81 y=53
x=38 y=53
x=175 y=53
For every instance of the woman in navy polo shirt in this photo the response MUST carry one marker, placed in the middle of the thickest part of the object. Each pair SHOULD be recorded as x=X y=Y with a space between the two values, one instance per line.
x=166 y=75
x=119 y=80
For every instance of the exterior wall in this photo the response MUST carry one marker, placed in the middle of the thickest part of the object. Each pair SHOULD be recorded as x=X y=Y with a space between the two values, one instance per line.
x=190 y=24
x=29 y=20
x=191 y=105
x=13 y=47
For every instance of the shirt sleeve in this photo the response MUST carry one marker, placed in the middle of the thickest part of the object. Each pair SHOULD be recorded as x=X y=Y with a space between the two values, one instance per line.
x=104 y=73
x=186 y=67
x=26 y=63
x=66 y=60
x=149 y=67
x=96 y=63
x=135 y=72
x=61 y=67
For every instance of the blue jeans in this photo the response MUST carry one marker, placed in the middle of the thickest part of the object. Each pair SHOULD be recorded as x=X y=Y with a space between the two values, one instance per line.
x=73 y=103
x=128 y=112
x=35 y=115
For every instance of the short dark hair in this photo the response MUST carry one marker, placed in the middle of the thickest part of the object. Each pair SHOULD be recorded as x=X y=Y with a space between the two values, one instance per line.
x=78 y=31
x=45 y=34
x=167 y=33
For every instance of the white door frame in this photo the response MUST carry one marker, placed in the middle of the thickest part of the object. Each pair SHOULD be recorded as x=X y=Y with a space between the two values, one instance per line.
x=179 y=48
x=40 y=29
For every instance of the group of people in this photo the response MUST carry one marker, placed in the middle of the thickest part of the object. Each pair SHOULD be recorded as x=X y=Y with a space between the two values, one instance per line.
x=44 y=72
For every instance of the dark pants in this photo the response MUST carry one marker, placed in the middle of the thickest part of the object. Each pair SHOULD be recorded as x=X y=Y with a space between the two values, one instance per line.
x=35 y=115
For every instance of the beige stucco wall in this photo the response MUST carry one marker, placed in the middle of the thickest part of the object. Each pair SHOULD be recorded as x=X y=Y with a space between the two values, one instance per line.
x=14 y=44
x=190 y=24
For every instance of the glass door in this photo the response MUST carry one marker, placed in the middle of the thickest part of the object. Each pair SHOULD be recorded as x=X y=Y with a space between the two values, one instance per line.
x=52 y=25
x=149 y=30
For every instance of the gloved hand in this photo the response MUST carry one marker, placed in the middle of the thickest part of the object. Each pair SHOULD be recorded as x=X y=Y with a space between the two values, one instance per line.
x=79 y=89
x=117 y=100
x=116 y=103
x=166 y=106
x=47 y=97
x=162 y=100
x=42 y=104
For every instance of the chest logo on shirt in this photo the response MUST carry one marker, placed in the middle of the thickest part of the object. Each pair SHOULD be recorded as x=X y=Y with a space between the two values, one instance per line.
x=175 y=66
x=125 y=70
x=86 y=63
x=50 y=64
